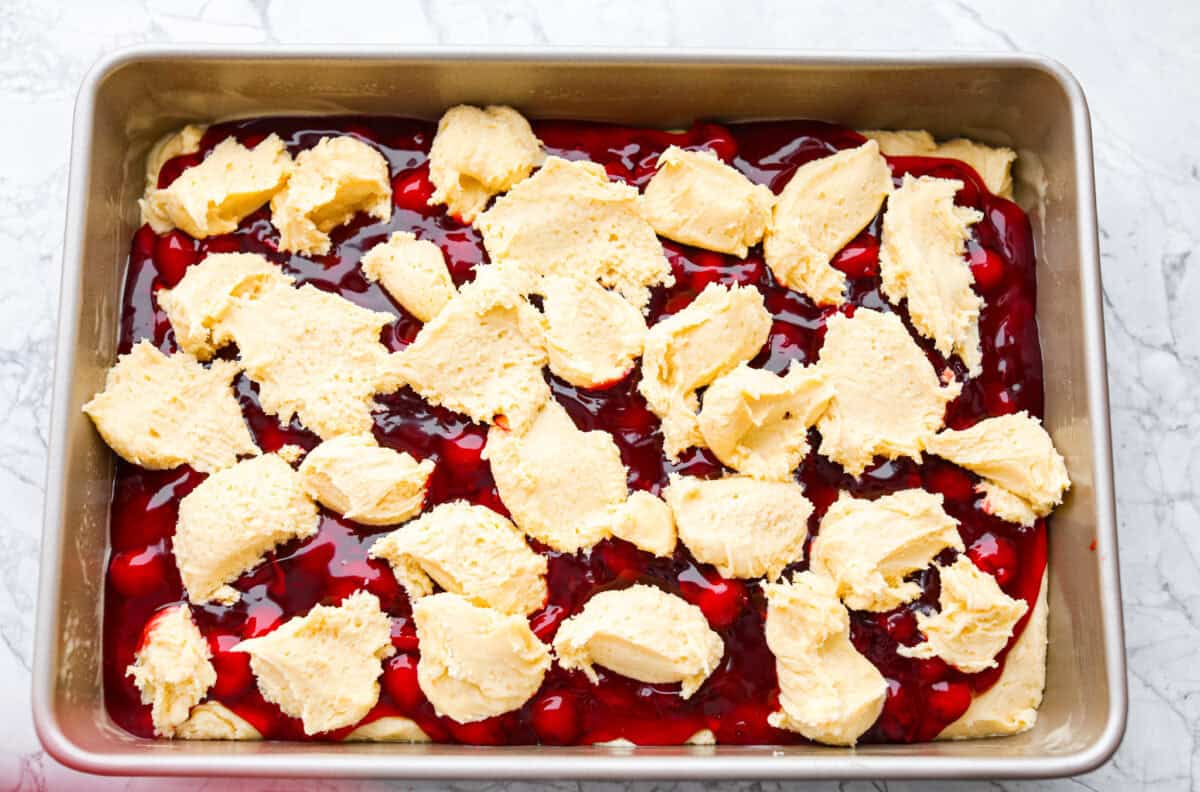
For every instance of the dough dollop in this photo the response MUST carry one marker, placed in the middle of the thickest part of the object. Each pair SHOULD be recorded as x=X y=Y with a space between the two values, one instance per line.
x=697 y=199
x=869 y=547
x=331 y=182
x=887 y=399
x=413 y=271
x=569 y=219
x=922 y=261
x=478 y=153
x=232 y=518
x=352 y=475
x=643 y=633
x=975 y=621
x=827 y=690
x=1017 y=459
x=324 y=667
x=757 y=422
x=172 y=668
x=558 y=482
x=212 y=720
x=745 y=527
x=722 y=328
x=213 y=196
x=203 y=297
x=146 y=392
x=476 y=662
x=824 y=206
x=593 y=335
x=469 y=550
x=482 y=355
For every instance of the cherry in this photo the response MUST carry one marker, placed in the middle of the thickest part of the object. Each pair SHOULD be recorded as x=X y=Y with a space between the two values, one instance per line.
x=484 y=732
x=899 y=712
x=716 y=139
x=721 y=599
x=556 y=717
x=996 y=555
x=174 y=252
x=947 y=701
x=677 y=302
x=987 y=268
x=233 y=668
x=139 y=573
x=953 y=483
x=400 y=681
x=931 y=669
x=463 y=451
x=144 y=241
x=1000 y=401
x=901 y=625
x=545 y=622
x=860 y=258
x=622 y=558
x=707 y=267
x=412 y=190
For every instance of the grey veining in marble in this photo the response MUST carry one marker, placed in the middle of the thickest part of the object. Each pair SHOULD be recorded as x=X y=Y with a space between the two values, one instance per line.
x=1137 y=62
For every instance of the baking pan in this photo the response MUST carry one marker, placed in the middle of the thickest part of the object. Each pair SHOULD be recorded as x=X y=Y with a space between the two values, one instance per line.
x=130 y=98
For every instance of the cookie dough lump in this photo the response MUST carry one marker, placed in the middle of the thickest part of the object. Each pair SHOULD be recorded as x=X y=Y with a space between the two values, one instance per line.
x=331 y=182
x=355 y=477
x=478 y=153
x=1024 y=475
x=757 y=422
x=827 y=690
x=468 y=550
x=145 y=394
x=324 y=667
x=482 y=355
x=232 y=518
x=593 y=335
x=172 y=668
x=202 y=299
x=212 y=720
x=824 y=206
x=745 y=527
x=869 y=547
x=476 y=662
x=413 y=271
x=975 y=621
x=697 y=199
x=643 y=633
x=922 y=261
x=887 y=399
x=722 y=328
x=558 y=482
x=213 y=196
x=569 y=219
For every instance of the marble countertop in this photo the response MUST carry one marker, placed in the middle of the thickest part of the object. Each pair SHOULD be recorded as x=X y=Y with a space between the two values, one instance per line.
x=1136 y=66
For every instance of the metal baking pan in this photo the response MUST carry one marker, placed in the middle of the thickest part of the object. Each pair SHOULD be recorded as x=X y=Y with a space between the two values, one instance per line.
x=1030 y=103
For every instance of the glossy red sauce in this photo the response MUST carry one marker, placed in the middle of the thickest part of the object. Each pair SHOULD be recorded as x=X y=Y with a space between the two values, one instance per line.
x=924 y=695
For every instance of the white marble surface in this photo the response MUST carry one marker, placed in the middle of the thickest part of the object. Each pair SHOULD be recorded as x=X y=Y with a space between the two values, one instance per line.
x=1136 y=62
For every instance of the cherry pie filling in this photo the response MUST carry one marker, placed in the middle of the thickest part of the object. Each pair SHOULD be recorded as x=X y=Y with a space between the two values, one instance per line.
x=923 y=695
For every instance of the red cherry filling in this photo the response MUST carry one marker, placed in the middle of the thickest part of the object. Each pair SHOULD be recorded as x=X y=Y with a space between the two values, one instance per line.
x=996 y=555
x=139 y=573
x=173 y=254
x=556 y=718
x=400 y=681
x=860 y=258
x=924 y=695
x=721 y=599
x=412 y=190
